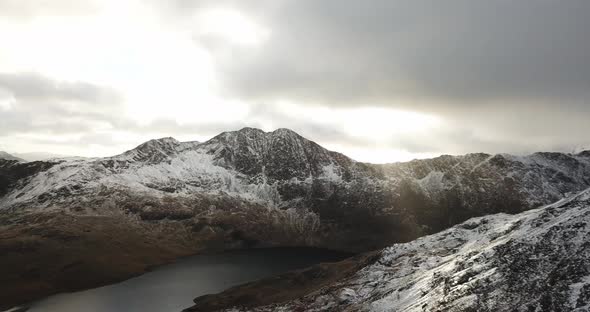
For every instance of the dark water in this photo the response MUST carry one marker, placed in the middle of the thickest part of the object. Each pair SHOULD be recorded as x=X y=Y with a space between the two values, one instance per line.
x=173 y=287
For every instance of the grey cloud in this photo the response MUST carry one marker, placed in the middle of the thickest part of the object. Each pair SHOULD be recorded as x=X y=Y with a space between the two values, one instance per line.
x=262 y=113
x=13 y=122
x=455 y=53
x=170 y=127
x=506 y=76
x=175 y=8
x=32 y=86
x=42 y=104
x=455 y=137
x=85 y=140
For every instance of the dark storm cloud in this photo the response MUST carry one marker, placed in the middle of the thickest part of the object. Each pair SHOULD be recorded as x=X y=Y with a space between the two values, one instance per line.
x=337 y=52
x=506 y=76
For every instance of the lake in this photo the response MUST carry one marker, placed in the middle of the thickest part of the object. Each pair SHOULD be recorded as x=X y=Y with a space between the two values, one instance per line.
x=173 y=287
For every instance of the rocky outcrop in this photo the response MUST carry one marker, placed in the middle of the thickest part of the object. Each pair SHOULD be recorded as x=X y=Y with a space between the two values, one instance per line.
x=14 y=173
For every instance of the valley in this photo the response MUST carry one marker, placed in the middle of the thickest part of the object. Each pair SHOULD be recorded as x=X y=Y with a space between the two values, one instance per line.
x=101 y=220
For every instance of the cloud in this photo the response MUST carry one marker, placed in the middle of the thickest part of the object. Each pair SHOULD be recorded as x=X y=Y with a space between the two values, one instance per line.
x=32 y=86
x=16 y=9
x=498 y=76
x=442 y=137
x=38 y=103
x=442 y=55
x=506 y=76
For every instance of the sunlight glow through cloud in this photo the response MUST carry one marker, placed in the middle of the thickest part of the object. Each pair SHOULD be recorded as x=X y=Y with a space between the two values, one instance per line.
x=162 y=73
x=231 y=25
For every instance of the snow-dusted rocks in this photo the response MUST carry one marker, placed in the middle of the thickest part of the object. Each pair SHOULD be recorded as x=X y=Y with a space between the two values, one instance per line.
x=359 y=206
x=538 y=260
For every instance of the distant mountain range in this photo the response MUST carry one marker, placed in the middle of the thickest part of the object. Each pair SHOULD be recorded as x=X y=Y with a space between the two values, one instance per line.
x=36 y=156
x=251 y=188
x=33 y=156
x=5 y=155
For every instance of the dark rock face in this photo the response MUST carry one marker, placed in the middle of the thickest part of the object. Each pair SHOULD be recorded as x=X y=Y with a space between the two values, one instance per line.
x=538 y=260
x=479 y=184
x=396 y=202
x=278 y=156
x=13 y=171
x=154 y=151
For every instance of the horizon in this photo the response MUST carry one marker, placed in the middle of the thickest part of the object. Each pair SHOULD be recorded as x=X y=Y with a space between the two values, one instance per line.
x=36 y=155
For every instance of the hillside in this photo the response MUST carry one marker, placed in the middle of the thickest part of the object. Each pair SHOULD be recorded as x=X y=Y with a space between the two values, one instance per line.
x=244 y=189
x=538 y=260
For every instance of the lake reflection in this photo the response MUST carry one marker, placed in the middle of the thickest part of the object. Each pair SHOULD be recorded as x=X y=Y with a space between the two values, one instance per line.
x=173 y=287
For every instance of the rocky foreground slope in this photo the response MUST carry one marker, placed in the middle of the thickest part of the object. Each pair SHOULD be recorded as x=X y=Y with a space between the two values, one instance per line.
x=242 y=189
x=538 y=260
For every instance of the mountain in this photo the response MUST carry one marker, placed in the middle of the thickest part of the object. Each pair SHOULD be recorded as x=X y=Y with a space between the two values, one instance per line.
x=324 y=198
x=247 y=188
x=537 y=260
x=6 y=156
x=37 y=156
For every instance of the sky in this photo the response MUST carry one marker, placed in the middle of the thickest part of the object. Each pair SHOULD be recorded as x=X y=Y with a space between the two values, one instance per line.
x=378 y=80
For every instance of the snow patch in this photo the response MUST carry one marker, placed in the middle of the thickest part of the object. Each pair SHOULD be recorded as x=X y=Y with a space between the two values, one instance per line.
x=331 y=173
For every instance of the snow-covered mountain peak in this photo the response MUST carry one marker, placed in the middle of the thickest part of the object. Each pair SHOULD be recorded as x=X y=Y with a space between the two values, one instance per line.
x=164 y=140
x=250 y=130
x=279 y=155
x=253 y=136
x=285 y=132
x=167 y=143
x=152 y=151
x=397 y=202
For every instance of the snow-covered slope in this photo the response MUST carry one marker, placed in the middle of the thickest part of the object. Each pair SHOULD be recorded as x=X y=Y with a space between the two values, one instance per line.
x=246 y=163
x=538 y=260
x=359 y=206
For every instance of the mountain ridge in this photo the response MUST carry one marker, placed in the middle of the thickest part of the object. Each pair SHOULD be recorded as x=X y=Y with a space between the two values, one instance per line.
x=283 y=170
x=250 y=188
